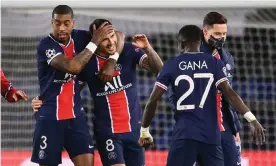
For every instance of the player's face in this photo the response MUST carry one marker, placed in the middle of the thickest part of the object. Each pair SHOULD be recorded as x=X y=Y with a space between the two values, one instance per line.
x=108 y=45
x=63 y=25
x=217 y=31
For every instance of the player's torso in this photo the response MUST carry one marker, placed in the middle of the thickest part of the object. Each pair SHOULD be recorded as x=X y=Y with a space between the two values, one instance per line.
x=227 y=123
x=59 y=90
x=116 y=103
x=194 y=97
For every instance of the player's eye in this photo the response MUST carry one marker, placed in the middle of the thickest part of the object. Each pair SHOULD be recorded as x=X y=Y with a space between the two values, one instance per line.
x=67 y=23
x=57 y=23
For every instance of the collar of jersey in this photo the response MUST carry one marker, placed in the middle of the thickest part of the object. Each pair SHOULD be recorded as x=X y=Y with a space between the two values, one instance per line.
x=100 y=56
x=59 y=42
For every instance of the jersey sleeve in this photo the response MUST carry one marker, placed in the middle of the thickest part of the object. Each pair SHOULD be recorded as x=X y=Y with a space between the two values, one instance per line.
x=165 y=76
x=220 y=72
x=139 y=56
x=48 y=50
x=7 y=90
x=81 y=39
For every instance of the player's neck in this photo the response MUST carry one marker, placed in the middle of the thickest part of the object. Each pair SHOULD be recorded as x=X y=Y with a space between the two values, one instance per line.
x=192 y=48
x=102 y=54
x=62 y=42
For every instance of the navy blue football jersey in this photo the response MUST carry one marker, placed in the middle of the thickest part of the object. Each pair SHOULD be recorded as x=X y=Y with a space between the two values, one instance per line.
x=117 y=105
x=193 y=78
x=59 y=91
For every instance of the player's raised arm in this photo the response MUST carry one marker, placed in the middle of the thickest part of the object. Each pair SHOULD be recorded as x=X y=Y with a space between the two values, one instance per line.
x=152 y=62
x=77 y=63
x=106 y=73
x=257 y=129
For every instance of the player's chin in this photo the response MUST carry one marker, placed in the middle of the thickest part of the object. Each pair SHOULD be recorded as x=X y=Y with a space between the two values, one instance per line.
x=110 y=51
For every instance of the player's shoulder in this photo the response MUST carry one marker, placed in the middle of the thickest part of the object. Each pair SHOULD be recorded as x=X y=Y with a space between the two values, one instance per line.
x=227 y=52
x=79 y=32
x=171 y=61
x=194 y=56
x=129 y=47
x=46 y=42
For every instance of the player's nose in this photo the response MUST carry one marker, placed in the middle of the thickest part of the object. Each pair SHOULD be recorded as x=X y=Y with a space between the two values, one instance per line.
x=62 y=27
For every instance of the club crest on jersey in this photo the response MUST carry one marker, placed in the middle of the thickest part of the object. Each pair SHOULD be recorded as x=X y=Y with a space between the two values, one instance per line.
x=50 y=53
x=228 y=66
x=42 y=154
x=112 y=155
x=118 y=67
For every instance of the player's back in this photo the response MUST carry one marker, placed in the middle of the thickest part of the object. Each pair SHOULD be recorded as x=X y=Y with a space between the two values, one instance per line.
x=193 y=78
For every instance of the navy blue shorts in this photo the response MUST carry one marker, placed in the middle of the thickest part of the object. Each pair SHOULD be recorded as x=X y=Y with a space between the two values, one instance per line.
x=51 y=136
x=186 y=152
x=231 y=152
x=121 y=149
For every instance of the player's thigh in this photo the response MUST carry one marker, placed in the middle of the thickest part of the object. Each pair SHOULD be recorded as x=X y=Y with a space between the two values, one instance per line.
x=210 y=155
x=134 y=154
x=182 y=153
x=78 y=141
x=230 y=151
x=48 y=142
x=110 y=149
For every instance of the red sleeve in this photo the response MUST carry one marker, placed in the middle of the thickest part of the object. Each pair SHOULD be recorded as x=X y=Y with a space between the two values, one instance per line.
x=7 y=90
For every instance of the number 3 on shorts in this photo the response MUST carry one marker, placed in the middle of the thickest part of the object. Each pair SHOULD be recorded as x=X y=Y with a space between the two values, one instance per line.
x=109 y=145
x=43 y=144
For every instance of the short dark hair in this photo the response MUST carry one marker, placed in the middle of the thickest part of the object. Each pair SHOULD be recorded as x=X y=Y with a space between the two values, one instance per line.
x=98 y=23
x=63 y=9
x=189 y=33
x=214 y=18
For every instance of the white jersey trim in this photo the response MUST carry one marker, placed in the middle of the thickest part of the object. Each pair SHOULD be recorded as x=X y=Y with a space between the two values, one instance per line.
x=161 y=86
x=221 y=80
x=61 y=43
x=128 y=111
x=141 y=60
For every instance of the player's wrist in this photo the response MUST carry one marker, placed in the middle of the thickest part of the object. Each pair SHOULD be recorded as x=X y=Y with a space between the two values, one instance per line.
x=91 y=47
x=115 y=56
x=249 y=116
x=144 y=131
x=148 y=47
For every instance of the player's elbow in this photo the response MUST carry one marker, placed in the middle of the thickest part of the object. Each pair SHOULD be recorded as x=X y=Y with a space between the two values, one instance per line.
x=75 y=69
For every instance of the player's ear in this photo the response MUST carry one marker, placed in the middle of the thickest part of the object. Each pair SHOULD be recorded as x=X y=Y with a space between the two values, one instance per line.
x=73 y=23
x=205 y=30
x=180 y=46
